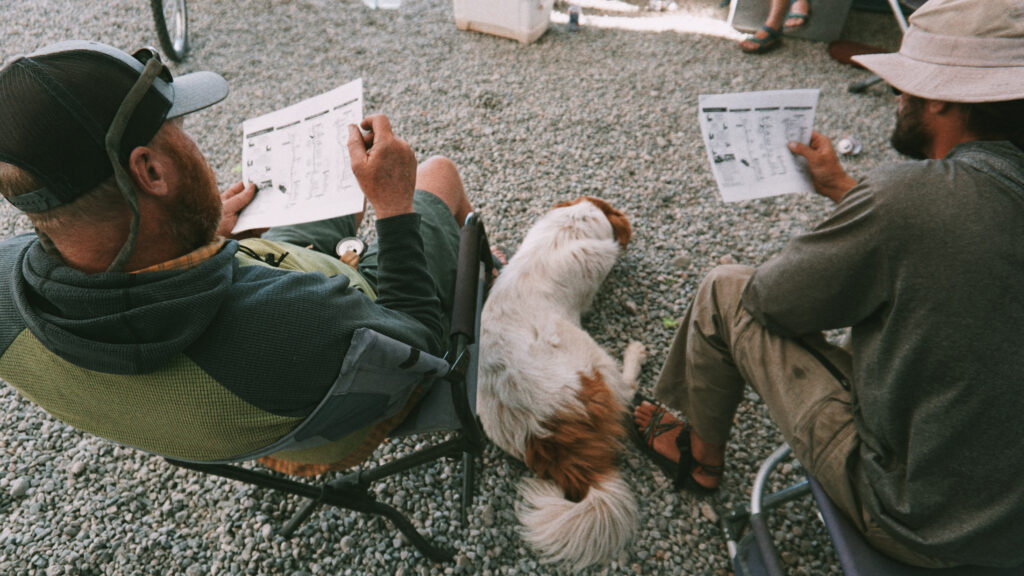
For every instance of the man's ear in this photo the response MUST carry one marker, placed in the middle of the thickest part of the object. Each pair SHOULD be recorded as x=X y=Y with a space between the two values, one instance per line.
x=149 y=170
x=938 y=107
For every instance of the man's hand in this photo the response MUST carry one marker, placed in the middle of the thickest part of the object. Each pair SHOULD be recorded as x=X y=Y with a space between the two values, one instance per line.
x=384 y=165
x=830 y=180
x=234 y=199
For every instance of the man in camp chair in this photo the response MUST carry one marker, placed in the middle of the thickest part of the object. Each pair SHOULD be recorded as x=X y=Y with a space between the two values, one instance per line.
x=129 y=315
x=915 y=434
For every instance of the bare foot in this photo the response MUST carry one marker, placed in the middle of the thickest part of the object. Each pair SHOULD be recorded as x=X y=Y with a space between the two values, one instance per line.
x=500 y=255
x=710 y=455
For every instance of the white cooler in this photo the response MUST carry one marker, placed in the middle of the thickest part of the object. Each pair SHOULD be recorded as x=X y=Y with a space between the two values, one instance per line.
x=522 y=20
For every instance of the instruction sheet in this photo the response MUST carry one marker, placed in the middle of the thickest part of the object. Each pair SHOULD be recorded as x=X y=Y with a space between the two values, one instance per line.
x=746 y=134
x=298 y=159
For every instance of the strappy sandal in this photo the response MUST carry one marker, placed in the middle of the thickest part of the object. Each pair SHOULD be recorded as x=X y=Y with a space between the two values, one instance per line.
x=793 y=14
x=769 y=42
x=681 y=473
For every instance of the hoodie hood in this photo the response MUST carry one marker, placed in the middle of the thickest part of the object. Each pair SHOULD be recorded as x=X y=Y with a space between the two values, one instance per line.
x=119 y=323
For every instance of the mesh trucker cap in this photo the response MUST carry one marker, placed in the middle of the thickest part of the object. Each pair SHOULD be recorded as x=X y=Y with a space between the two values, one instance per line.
x=57 y=104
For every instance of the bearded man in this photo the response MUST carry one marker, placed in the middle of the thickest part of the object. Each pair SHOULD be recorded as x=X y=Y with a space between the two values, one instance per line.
x=909 y=431
x=126 y=313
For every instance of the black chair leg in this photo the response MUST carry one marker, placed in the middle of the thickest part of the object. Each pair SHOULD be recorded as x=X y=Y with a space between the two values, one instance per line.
x=300 y=517
x=347 y=493
x=862 y=85
x=435 y=553
x=468 y=485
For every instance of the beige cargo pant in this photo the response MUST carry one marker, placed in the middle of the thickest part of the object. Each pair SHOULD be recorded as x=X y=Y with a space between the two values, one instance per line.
x=720 y=347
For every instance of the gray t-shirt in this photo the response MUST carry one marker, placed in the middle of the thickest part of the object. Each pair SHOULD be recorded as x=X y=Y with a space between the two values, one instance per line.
x=925 y=261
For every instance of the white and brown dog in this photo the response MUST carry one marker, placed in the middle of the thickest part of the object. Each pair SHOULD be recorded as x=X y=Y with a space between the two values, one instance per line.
x=550 y=396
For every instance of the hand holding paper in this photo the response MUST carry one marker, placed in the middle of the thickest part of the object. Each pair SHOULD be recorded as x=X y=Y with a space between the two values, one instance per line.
x=746 y=135
x=830 y=180
x=298 y=159
x=384 y=165
x=233 y=201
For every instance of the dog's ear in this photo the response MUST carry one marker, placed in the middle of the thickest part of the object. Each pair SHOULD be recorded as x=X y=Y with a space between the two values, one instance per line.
x=620 y=224
x=569 y=202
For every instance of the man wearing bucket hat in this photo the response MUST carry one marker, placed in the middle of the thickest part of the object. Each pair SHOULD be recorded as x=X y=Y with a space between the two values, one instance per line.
x=127 y=315
x=912 y=430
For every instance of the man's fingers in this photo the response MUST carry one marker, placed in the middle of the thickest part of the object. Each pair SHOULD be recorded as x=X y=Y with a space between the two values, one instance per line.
x=820 y=142
x=378 y=124
x=232 y=190
x=356 y=145
x=800 y=149
x=238 y=196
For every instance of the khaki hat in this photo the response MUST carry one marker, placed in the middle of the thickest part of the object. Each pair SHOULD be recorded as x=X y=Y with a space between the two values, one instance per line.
x=958 y=51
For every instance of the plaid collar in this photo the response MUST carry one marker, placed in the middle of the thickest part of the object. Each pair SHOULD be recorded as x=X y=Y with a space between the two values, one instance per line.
x=190 y=260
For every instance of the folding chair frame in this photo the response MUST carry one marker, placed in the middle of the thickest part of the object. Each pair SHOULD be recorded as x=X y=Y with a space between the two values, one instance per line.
x=856 y=557
x=352 y=490
x=901 y=20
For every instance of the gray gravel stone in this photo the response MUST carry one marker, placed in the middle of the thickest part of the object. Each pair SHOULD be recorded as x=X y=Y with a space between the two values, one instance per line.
x=19 y=487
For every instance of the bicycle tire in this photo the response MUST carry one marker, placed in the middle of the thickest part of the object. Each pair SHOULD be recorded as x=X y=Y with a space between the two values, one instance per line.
x=174 y=38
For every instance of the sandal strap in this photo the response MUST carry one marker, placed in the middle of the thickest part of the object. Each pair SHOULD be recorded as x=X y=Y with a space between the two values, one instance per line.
x=688 y=464
x=772 y=36
x=713 y=471
x=655 y=427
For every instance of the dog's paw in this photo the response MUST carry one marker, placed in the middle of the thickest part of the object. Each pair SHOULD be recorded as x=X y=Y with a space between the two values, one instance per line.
x=634 y=357
x=636 y=352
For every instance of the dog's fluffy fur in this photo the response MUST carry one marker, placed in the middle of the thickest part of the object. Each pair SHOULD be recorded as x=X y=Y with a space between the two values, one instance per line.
x=550 y=396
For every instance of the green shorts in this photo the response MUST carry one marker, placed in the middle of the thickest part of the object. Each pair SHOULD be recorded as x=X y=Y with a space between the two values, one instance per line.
x=438 y=227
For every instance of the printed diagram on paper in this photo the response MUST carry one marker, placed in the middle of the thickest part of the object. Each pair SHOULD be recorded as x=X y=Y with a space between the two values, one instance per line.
x=298 y=159
x=746 y=135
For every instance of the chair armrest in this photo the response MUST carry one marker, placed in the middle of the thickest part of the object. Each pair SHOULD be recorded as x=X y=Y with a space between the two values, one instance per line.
x=474 y=250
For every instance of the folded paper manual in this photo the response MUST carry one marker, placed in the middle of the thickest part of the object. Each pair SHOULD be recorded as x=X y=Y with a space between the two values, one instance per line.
x=298 y=159
x=746 y=136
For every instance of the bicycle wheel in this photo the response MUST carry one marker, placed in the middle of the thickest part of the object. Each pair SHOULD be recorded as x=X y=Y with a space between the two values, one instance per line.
x=171 y=19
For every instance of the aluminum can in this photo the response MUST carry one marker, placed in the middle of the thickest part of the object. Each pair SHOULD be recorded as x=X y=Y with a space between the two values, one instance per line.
x=849 y=146
x=350 y=244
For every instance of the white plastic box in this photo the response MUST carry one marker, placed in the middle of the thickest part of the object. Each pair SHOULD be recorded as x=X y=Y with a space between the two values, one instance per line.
x=522 y=20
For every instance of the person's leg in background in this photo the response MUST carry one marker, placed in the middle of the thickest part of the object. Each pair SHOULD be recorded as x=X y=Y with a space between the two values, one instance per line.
x=782 y=15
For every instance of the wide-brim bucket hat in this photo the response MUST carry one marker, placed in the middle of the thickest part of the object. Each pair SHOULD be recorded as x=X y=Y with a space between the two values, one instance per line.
x=958 y=51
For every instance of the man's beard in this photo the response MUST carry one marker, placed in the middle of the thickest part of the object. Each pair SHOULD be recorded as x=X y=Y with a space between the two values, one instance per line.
x=910 y=137
x=195 y=214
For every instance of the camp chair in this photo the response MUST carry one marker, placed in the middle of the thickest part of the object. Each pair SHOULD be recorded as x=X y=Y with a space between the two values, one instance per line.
x=450 y=405
x=754 y=554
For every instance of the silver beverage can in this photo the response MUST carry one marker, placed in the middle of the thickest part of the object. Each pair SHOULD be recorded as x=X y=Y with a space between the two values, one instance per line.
x=849 y=146
x=350 y=244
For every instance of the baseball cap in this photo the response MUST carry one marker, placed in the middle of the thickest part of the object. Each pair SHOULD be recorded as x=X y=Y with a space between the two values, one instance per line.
x=967 y=51
x=58 y=103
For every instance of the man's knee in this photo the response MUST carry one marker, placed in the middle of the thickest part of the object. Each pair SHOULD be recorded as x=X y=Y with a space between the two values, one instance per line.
x=729 y=274
x=723 y=285
x=439 y=176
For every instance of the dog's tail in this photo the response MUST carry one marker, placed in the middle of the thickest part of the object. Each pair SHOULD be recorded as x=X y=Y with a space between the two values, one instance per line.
x=592 y=531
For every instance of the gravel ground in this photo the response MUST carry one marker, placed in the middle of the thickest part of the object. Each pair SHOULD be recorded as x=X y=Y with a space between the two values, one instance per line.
x=604 y=111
